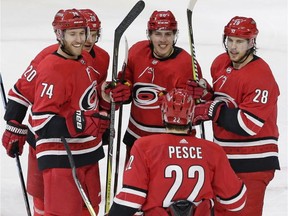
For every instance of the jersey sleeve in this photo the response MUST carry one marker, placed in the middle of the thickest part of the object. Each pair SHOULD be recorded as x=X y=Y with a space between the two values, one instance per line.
x=135 y=182
x=23 y=90
x=259 y=99
x=50 y=94
x=230 y=191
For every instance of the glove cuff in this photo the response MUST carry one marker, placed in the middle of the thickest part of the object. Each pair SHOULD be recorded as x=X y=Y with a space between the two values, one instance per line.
x=16 y=128
x=214 y=110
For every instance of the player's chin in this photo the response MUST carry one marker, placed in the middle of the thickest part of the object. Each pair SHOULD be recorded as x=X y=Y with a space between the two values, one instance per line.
x=77 y=51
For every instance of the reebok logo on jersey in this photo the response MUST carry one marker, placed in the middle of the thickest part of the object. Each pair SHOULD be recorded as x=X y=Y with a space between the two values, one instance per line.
x=183 y=141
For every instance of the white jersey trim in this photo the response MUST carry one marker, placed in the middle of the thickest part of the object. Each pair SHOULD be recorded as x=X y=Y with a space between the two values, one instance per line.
x=64 y=152
x=252 y=156
x=246 y=143
x=234 y=200
x=147 y=129
x=46 y=117
x=127 y=203
x=134 y=192
x=23 y=102
x=243 y=126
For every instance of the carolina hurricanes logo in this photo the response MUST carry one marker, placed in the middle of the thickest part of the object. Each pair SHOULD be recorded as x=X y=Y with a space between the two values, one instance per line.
x=89 y=99
x=90 y=69
x=219 y=82
x=145 y=95
x=147 y=75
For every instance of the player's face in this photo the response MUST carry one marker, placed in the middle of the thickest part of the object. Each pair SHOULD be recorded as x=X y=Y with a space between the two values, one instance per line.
x=162 y=41
x=91 y=40
x=237 y=48
x=74 y=40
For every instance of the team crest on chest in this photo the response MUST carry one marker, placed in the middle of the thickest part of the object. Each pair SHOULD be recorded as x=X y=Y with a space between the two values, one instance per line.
x=145 y=95
x=89 y=99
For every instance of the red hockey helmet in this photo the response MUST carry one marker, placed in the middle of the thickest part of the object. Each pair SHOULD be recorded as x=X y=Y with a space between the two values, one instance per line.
x=242 y=27
x=92 y=19
x=68 y=19
x=177 y=107
x=162 y=20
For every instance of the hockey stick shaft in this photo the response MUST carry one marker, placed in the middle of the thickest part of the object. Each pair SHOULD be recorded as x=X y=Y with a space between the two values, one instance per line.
x=18 y=163
x=130 y=17
x=119 y=130
x=76 y=179
x=193 y=53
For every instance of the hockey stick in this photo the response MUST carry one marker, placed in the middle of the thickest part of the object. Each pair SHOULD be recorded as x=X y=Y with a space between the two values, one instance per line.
x=76 y=180
x=193 y=53
x=130 y=17
x=18 y=163
x=118 y=143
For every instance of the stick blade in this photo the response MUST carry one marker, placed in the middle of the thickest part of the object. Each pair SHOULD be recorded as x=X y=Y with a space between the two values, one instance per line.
x=191 y=5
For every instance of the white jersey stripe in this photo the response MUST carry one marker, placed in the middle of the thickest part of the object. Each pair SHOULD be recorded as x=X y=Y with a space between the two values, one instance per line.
x=246 y=143
x=252 y=156
x=147 y=129
x=242 y=124
x=63 y=152
x=127 y=203
x=134 y=192
x=236 y=199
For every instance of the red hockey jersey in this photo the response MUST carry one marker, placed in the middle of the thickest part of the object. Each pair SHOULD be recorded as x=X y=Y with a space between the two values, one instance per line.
x=247 y=131
x=23 y=90
x=62 y=87
x=22 y=93
x=164 y=168
x=151 y=76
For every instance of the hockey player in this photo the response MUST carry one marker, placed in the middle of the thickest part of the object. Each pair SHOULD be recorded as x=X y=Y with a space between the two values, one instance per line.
x=66 y=103
x=244 y=112
x=175 y=173
x=100 y=56
x=22 y=95
x=154 y=66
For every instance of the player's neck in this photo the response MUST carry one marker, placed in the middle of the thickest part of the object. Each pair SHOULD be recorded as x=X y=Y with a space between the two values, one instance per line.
x=65 y=54
x=241 y=64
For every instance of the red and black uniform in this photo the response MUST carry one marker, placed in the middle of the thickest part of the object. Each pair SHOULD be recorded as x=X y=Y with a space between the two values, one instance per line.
x=21 y=96
x=247 y=128
x=62 y=88
x=100 y=62
x=251 y=141
x=150 y=76
x=164 y=168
